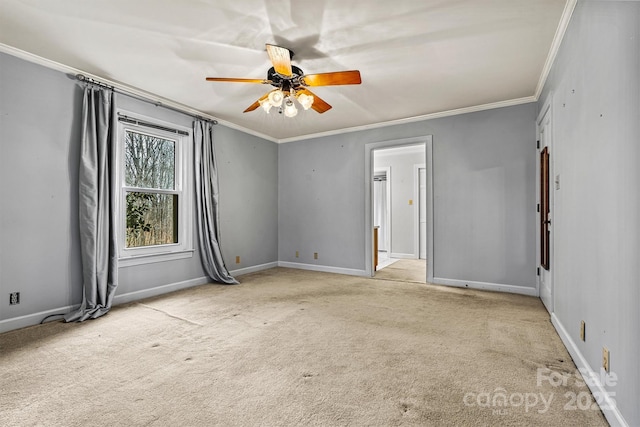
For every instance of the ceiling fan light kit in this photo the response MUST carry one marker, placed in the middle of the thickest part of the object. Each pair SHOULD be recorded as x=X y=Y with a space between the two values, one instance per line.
x=275 y=98
x=305 y=100
x=290 y=109
x=291 y=84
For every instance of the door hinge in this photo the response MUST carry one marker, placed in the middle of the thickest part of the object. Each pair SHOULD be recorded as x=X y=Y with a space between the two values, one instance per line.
x=538 y=208
x=538 y=271
x=538 y=144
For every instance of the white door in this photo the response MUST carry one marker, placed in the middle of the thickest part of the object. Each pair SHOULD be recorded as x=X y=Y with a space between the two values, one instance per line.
x=422 y=213
x=545 y=207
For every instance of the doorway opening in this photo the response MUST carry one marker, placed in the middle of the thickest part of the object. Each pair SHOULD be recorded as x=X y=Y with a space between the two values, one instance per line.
x=398 y=209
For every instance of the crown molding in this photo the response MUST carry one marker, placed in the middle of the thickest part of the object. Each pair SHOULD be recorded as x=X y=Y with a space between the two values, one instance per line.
x=569 y=7
x=455 y=112
x=160 y=101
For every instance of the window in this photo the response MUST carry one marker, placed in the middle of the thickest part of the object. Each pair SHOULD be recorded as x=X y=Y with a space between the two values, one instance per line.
x=155 y=208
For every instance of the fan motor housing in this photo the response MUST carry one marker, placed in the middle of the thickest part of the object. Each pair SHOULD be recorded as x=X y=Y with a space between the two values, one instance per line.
x=285 y=82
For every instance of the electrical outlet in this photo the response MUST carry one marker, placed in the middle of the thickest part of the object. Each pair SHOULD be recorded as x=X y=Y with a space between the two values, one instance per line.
x=315 y=255
x=606 y=359
x=14 y=298
x=410 y=202
x=238 y=259
x=297 y=254
x=582 y=330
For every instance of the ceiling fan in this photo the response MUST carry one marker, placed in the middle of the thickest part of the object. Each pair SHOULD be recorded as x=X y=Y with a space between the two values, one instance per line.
x=291 y=84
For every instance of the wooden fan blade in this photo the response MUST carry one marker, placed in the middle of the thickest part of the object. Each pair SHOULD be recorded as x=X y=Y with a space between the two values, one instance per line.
x=231 y=79
x=257 y=103
x=280 y=58
x=318 y=103
x=351 y=77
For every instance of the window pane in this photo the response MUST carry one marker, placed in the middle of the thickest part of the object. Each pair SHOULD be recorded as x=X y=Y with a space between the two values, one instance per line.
x=152 y=219
x=149 y=161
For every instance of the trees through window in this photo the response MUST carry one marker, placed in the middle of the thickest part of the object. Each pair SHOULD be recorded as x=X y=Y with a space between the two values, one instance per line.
x=151 y=197
x=154 y=206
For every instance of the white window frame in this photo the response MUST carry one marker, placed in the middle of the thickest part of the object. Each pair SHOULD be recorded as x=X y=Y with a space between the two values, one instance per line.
x=183 y=181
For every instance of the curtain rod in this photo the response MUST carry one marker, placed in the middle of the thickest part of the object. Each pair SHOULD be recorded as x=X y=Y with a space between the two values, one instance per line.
x=85 y=79
x=126 y=119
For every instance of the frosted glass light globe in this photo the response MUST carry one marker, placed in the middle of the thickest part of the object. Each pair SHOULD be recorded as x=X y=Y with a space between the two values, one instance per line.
x=276 y=97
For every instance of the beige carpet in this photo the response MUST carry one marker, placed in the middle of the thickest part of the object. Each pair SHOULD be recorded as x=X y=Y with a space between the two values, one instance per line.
x=404 y=270
x=290 y=347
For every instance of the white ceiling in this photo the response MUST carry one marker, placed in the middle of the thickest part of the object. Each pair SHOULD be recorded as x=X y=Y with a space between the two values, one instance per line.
x=417 y=58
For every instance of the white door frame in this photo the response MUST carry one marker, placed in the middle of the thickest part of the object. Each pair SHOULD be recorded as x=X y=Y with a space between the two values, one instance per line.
x=417 y=196
x=546 y=115
x=368 y=196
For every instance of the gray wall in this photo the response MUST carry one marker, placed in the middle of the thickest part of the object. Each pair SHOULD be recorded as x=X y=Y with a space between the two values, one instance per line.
x=403 y=215
x=484 y=196
x=39 y=240
x=595 y=85
x=248 y=169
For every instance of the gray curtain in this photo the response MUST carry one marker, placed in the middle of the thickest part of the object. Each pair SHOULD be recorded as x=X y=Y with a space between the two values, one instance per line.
x=98 y=244
x=207 y=203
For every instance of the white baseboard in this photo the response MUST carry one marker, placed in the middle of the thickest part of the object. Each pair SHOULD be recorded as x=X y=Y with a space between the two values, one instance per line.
x=403 y=256
x=323 y=268
x=159 y=290
x=496 y=287
x=33 y=319
x=608 y=406
x=253 y=269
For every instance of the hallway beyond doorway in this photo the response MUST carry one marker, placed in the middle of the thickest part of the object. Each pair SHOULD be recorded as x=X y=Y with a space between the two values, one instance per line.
x=405 y=270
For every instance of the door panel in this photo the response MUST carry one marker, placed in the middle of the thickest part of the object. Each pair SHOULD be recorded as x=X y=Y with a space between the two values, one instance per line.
x=545 y=223
x=544 y=208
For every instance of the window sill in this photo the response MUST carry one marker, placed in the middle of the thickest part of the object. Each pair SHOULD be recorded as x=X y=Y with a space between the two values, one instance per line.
x=152 y=258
